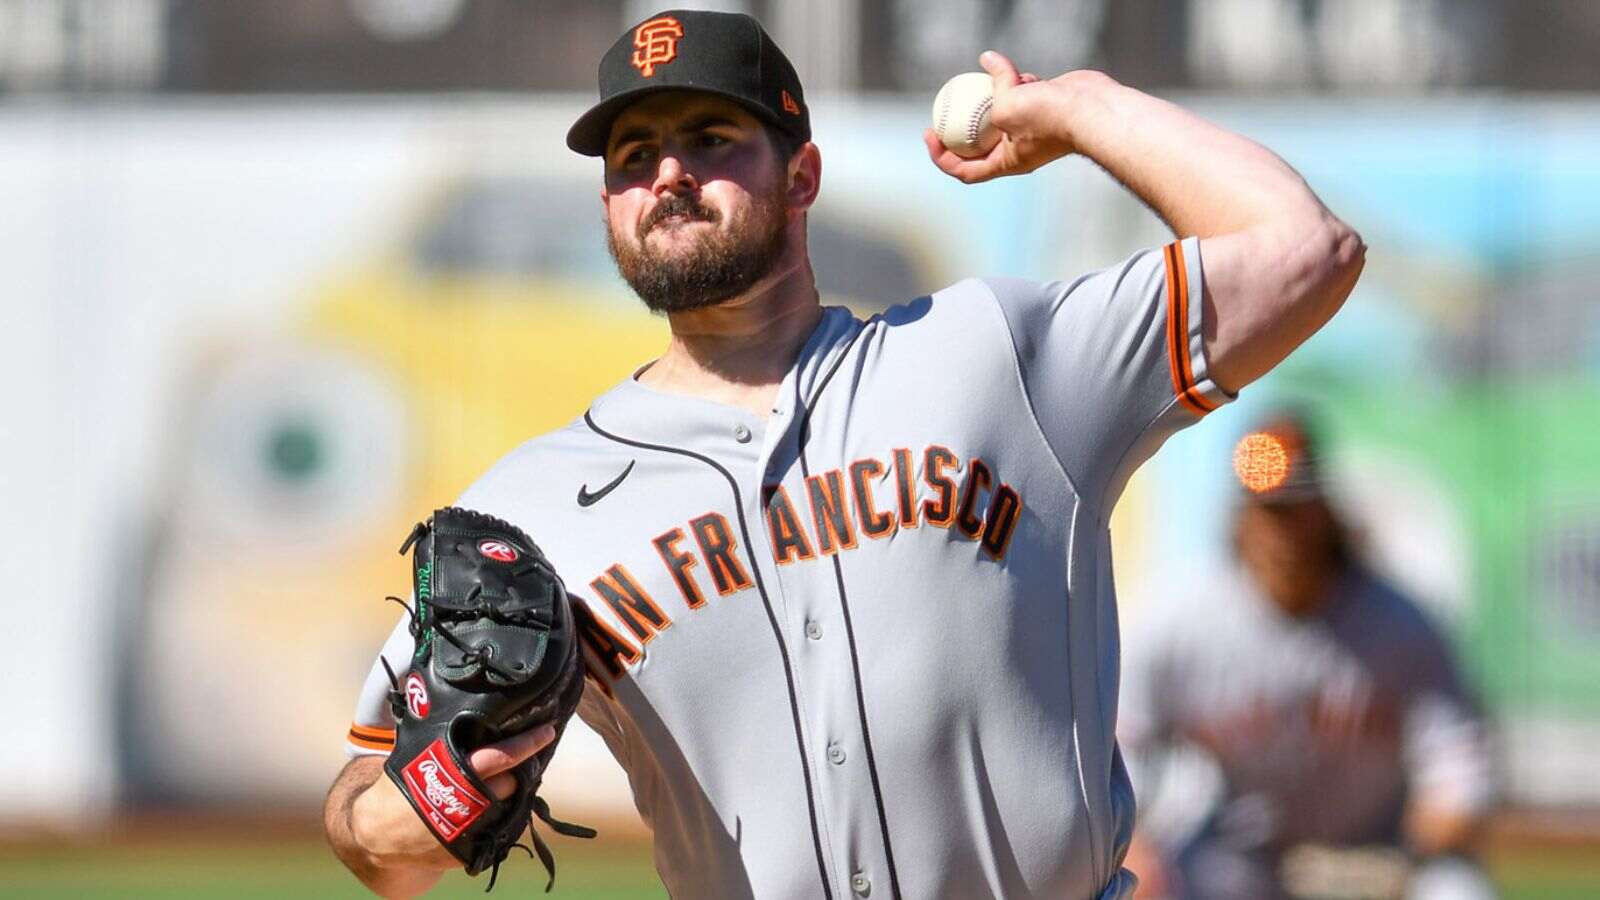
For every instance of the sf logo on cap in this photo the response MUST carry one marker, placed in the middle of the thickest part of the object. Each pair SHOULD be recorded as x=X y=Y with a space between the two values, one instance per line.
x=655 y=43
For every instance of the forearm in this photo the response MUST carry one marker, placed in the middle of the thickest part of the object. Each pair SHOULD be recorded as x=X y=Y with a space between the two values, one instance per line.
x=340 y=820
x=1201 y=179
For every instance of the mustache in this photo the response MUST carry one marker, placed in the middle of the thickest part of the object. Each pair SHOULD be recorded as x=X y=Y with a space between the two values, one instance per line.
x=677 y=205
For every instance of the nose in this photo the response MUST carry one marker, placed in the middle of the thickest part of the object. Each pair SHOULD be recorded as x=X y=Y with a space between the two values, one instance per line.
x=672 y=177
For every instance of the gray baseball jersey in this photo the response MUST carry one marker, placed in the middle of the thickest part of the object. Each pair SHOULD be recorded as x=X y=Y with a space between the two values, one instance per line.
x=1320 y=726
x=868 y=645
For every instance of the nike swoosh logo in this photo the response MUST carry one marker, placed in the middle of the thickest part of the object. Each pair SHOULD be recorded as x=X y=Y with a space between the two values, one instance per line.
x=587 y=499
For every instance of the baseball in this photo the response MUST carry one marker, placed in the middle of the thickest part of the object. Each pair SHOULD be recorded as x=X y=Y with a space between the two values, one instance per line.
x=961 y=114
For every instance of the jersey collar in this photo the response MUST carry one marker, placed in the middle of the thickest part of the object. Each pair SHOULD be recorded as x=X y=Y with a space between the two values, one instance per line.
x=633 y=410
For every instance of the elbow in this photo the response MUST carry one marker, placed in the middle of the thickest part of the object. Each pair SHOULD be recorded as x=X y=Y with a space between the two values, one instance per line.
x=1347 y=255
x=1336 y=256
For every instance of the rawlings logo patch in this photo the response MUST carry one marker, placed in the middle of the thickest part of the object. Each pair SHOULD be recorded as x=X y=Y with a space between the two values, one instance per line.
x=655 y=44
x=499 y=551
x=447 y=800
x=416 y=696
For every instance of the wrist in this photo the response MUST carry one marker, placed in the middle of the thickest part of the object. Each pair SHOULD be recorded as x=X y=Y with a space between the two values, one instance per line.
x=1086 y=96
x=366 y=830
x=386 y=831
x=382 y=860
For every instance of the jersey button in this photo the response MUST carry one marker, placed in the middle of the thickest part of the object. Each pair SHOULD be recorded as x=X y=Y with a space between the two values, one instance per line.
x=741 y=433
x=860 y=884
x=814 y=631
x=836 y=754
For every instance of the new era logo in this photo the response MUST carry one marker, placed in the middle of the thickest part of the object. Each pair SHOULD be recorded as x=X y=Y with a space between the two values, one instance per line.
x=655 y=43
x=789 y=106
x=447 y=801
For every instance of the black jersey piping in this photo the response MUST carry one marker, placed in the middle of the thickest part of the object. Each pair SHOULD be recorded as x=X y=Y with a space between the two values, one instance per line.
x=850 y=632
x=777 y=633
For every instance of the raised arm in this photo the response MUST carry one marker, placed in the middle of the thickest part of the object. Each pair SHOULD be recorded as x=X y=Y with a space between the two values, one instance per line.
x=1277 y=263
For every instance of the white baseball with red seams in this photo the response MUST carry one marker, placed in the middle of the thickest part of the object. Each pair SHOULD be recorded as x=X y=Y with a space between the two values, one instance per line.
x=961 y=114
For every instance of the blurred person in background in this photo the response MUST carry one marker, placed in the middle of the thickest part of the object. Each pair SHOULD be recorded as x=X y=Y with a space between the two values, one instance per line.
x=1351 y=758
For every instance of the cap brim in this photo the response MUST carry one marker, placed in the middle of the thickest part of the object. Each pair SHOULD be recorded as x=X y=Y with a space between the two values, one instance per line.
x=590 y=133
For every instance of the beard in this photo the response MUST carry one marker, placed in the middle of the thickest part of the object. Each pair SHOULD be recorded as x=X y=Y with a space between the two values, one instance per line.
x=718 y=265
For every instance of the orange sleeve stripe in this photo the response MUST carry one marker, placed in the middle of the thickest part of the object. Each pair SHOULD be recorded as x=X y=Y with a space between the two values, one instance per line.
x=1181 y=272
x=1174 y=351
x=1178 y=362
x=1192 y=389
x=1196 y=401
x=369 y=738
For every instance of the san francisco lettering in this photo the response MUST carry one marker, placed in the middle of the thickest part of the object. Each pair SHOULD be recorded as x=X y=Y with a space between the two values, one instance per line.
x=830 y=512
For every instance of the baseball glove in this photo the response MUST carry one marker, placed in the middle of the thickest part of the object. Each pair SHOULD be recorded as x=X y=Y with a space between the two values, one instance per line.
x=496 y=655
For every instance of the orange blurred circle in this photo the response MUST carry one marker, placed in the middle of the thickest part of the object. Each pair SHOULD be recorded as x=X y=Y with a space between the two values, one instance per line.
x=1261 y=461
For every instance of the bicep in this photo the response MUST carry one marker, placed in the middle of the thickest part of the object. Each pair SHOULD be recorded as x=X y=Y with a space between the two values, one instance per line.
x=1270 y=288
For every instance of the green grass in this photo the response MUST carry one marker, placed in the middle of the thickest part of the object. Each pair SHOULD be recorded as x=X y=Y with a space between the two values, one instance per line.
x=1540 y=875
x=299 y=870
x=302 y=869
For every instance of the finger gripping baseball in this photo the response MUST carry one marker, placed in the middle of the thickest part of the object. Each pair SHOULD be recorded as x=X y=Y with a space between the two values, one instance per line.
x=496 y=656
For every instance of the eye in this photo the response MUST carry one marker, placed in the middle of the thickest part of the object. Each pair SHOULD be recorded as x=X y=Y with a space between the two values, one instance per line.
x=637 y=156
x=708 y=139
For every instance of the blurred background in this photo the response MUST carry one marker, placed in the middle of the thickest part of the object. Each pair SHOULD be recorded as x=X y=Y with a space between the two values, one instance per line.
x=281 y=278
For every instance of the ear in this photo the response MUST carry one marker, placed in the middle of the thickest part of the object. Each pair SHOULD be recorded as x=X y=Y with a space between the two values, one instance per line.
x=805 y=177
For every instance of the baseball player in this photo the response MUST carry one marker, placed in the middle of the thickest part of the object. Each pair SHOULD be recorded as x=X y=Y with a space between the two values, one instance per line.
x=847 y=584
x=1326 y=701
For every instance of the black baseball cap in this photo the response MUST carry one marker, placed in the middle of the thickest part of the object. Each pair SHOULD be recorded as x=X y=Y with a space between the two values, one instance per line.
x=726 y=54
